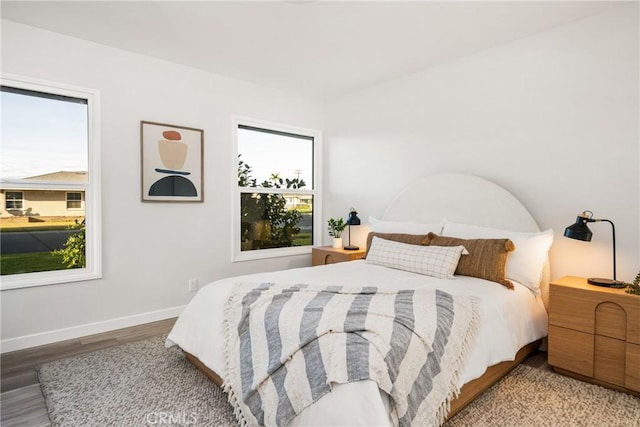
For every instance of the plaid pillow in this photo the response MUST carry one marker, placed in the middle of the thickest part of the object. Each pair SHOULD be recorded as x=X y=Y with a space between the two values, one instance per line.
x=411 y=239
x=436 y=261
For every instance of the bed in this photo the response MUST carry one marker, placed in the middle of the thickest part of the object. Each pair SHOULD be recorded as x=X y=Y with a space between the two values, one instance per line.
x=511 y=322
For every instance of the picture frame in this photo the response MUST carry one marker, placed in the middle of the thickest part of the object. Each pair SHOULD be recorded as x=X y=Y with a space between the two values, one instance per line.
x=171 y=163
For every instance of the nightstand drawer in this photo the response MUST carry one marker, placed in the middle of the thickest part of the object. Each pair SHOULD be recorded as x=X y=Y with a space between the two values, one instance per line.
x=332 y=259
x=327 y=255
x=571 y=350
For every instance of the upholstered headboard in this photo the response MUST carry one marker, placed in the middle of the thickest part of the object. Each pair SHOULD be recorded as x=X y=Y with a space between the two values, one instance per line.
x=464 y=199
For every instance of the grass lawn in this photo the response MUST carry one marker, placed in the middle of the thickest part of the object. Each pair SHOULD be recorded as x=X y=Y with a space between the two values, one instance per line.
x=47 y=227
x=45 y=224
x=30 y=263
x=302 y=239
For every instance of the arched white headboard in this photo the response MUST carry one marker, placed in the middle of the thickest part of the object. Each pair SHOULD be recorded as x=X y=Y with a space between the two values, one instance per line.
x=465 y=199
x=460 y=198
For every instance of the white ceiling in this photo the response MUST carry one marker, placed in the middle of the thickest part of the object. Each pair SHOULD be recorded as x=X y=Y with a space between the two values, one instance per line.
x=315 y=48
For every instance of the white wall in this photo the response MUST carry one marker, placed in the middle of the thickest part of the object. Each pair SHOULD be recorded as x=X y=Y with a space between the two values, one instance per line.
x=150 y=250
x=554 y=118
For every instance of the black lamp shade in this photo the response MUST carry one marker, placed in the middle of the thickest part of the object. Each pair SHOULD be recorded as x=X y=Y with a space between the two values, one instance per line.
x=579 y=230
x=353 y=218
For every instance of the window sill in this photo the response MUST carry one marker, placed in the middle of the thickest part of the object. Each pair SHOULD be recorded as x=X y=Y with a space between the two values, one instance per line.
x=45 y=278
x=270 y=253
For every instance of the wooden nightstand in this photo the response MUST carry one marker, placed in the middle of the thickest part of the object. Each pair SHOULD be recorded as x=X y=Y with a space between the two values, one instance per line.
x=594 y=334
x=327 y=255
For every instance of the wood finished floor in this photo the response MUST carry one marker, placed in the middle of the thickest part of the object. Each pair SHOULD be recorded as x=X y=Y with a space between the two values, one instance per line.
x=22 y=402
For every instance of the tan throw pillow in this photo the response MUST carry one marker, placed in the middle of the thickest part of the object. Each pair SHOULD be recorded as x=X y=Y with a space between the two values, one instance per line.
x=487 y=258
x=411 y=239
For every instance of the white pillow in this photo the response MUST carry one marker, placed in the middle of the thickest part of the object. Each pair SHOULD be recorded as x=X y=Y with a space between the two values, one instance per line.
x=405 y=227
x=526 y=263
x=436 y=261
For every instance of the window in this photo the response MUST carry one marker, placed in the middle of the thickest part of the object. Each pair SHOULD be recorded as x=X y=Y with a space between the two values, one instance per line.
x=50 y=180
x=276 y=190
x=74 y=200
x=14 y=200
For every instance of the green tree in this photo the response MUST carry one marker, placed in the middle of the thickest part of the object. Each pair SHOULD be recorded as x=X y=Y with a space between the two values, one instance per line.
x=73 y=253
x=266 y=221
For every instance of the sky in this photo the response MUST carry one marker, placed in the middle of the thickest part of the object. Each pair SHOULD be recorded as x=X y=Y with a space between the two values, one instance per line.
x=267 y=153
x=41 y=135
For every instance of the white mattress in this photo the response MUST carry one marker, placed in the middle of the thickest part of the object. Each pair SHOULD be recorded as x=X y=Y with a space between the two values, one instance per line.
x=509 y=319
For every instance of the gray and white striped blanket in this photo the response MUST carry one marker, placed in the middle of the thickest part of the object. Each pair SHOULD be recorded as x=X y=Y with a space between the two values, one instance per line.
x=287 y=344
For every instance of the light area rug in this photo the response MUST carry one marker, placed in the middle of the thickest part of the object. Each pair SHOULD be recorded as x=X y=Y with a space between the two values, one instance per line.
x=143 y=383
x=136 y=384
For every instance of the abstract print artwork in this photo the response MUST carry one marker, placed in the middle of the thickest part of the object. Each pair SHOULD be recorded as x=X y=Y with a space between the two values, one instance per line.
x=171 y=163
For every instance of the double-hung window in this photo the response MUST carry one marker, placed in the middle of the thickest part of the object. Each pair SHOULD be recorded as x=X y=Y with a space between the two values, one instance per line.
x=13 y=200
x=74 y=200
x=49 y=182
x=276 y=196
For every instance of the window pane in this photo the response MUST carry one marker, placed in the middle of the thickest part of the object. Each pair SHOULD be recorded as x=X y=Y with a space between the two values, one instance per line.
x=269 y=157
x=42 y=135
x=45 y=141
x=270 y=220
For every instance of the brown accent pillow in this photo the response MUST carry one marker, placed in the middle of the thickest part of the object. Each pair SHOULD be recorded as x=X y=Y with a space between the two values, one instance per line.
x=411 y=239
x=487 y=258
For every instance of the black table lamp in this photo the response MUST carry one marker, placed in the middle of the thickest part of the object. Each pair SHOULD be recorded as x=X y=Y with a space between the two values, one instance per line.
x=580 y=231
x=352 y=220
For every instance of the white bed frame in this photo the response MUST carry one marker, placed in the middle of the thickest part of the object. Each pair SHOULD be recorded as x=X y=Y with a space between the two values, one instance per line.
x=465 y=199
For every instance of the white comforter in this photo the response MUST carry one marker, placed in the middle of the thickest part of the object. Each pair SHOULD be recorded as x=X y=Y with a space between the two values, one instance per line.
x=508 y=321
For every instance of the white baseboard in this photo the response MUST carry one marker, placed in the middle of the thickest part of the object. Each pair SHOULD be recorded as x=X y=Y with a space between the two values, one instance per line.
x=27 y=341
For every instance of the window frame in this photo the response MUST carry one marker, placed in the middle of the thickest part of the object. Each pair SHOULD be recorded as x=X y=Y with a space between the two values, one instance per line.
x=92 y=188
x=6 y=200
x=237 y=255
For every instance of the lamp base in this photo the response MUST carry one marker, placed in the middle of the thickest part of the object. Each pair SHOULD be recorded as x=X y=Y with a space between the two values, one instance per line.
x=608 y=283
x=350 y=248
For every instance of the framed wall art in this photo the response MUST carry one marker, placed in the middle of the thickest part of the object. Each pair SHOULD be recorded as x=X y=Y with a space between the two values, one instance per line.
x=171 y=163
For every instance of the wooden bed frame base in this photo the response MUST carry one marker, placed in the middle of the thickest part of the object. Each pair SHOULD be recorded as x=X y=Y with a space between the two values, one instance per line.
x=492 y=375
x=469 y=391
